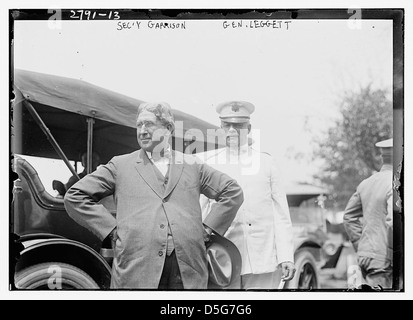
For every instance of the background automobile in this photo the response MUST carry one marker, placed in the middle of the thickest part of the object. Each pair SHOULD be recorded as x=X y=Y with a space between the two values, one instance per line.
x=314 y=251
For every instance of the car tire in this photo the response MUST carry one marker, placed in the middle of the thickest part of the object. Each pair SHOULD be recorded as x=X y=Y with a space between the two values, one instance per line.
x=306 y=276
x=53 y=275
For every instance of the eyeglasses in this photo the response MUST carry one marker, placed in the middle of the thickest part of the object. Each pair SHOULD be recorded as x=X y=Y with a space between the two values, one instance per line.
x=236 y=126
x=147 y=124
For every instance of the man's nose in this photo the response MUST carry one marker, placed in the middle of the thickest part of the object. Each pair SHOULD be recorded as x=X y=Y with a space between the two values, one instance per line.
x=232 y=129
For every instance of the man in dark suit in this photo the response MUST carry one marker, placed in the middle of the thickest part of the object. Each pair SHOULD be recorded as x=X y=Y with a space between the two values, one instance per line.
x=368 y=220
x=158 y=234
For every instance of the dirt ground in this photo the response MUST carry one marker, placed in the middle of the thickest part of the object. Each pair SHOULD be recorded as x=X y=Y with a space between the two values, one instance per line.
x=328 y=281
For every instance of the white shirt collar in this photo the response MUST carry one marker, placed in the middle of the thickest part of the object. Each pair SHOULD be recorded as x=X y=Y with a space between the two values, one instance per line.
x=166 y=155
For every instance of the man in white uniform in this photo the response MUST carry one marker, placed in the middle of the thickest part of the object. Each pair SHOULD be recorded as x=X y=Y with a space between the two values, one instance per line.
x=262 y=229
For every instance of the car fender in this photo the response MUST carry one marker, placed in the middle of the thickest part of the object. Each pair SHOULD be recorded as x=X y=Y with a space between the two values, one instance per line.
x=309 y=245
x=40 y=250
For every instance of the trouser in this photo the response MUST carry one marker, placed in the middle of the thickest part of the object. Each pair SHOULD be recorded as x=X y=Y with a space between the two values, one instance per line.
x=376 y=272
x=171 y=276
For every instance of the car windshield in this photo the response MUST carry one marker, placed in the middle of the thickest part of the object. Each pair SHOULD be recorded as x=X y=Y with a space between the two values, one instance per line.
x=308 y=212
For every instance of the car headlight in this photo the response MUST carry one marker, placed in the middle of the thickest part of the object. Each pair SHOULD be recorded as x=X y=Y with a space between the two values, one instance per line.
x=330 y=248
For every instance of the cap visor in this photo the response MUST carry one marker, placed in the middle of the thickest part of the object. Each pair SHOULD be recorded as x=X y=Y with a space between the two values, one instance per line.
x=235 y=119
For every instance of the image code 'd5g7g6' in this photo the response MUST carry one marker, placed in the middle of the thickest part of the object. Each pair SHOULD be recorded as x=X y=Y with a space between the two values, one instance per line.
x=227 y=309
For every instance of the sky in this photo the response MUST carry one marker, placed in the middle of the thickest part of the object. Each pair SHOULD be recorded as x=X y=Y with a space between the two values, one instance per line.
x=294 y=74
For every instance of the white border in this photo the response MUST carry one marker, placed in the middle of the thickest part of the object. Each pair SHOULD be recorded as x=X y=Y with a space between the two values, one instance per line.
x=5 y=294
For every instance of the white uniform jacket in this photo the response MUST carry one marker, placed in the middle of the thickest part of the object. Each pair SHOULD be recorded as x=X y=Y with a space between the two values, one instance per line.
x=262 y=229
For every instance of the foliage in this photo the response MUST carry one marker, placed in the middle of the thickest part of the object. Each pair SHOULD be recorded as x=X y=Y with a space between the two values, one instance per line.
x=348 y=150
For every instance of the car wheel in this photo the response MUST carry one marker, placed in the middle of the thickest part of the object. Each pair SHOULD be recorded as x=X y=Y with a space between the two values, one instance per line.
x=306 y=276
x=53 y=275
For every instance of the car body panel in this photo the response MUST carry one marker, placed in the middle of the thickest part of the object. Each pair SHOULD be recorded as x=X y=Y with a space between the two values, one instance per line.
x=308 y=216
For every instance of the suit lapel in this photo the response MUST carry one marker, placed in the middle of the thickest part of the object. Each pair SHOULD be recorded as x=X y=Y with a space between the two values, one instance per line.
x=175 y=171
x=144 y=168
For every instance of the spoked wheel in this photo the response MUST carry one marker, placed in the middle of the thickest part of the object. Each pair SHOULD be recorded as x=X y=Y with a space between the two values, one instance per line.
x=306 y=276
x=53 y=275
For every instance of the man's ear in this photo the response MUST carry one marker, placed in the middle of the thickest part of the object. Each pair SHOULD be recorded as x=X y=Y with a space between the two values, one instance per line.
x=170 y=127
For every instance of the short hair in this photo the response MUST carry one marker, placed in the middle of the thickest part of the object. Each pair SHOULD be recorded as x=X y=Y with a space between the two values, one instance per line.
x=161 y=110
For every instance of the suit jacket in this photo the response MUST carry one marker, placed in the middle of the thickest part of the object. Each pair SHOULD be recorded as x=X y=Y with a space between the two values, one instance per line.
x=144 y=209
x=366 y=213
x=262 y=229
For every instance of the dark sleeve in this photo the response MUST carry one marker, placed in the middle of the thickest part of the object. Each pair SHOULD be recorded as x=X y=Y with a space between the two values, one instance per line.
x=72 y=180
x=227 y=194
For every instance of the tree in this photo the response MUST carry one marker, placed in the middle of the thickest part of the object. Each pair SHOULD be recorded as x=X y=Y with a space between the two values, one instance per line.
x=348 y=149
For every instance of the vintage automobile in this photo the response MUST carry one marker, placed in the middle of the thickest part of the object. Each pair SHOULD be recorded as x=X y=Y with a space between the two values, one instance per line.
x=58 y=118
x=313 y=250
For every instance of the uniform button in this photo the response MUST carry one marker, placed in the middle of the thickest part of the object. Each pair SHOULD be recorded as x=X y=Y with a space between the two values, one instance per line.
x=162 y=226
x=163 y=200
x=160 y=253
